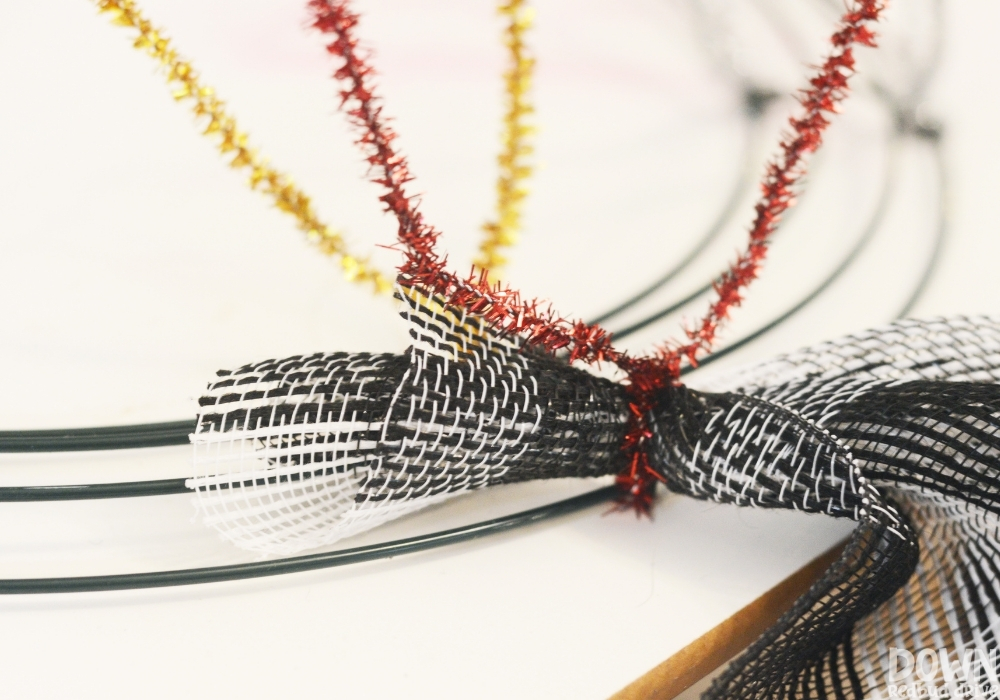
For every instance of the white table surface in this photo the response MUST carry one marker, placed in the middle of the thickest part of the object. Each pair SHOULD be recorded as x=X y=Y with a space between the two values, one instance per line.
x=135 y=264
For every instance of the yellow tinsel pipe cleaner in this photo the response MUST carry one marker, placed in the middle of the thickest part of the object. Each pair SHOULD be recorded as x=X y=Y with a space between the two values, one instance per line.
x=278 y=187
x=497 y=234
x=514 y=170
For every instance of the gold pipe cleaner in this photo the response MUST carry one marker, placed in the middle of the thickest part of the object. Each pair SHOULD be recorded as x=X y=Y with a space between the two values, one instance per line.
x=503 y=231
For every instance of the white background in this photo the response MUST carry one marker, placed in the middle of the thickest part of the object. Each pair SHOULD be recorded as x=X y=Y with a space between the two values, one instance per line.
x=135 y=264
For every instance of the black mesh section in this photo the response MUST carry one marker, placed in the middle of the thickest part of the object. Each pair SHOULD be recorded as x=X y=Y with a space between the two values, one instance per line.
x=504 y=419
x=315 y=390
x=807 y=653
x=938 y=435
x=865 y=428
x=739 y=449
x=930 y=446
x=734 y=448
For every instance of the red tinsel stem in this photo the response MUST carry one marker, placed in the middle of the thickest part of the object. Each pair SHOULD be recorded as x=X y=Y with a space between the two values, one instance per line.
x=648 y=377
x=422 y=266
x=827 y=89
x=363 y=108
x=504 y=308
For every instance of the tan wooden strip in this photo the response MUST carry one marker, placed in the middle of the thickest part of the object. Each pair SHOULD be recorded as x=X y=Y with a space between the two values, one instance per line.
x=720 y=644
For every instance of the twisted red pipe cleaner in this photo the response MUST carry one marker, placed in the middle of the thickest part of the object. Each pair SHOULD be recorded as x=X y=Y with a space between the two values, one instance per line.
x=502 y=306
x=538 y=323
x=827 y=89
x=649 y=376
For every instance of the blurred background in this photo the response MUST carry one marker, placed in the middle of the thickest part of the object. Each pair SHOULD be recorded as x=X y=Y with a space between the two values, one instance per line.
x=136 y=264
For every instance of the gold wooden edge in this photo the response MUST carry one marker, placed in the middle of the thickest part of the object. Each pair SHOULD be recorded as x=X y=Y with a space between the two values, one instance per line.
x=720 y=644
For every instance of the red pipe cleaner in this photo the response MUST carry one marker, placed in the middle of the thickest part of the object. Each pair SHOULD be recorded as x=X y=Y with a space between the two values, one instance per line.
x=537 y=322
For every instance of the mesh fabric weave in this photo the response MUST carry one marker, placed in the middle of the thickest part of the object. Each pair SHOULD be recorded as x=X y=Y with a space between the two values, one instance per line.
x=906 y=402
x=897 y=429
x=298 y=453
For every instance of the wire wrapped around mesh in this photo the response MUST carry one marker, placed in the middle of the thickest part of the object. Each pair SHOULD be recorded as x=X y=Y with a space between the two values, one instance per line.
x=904 y=401
x=298 y=453
x=896 y=429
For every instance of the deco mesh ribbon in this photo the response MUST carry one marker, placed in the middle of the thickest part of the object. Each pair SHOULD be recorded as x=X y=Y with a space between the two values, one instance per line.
x=504 y=309
x=895 y=429
x=297 y=453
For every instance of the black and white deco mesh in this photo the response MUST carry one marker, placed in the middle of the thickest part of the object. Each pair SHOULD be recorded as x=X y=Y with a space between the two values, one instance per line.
x=297 y=453
x=897 y=429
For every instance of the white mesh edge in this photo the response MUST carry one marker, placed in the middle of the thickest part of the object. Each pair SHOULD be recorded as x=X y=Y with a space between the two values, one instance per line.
x=251 y=489
x=956 y=348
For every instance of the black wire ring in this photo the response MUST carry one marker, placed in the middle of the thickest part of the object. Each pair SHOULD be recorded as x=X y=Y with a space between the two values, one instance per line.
x=114 y=437
x=175 y=433
x=755 y=104
x=125 y=437
x=133 y=489
x=309 y=562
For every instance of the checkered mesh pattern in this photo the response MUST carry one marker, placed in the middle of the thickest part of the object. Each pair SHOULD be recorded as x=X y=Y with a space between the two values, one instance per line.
x=951 y=603
x=739 y=449
x=958 y=348
x=897 y=429
x=282 y=447
x=915 y=409
x=298 y=453
x=736 y=448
